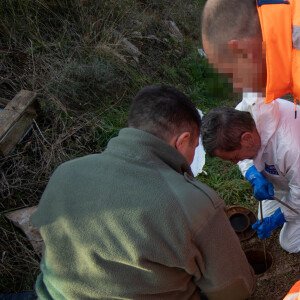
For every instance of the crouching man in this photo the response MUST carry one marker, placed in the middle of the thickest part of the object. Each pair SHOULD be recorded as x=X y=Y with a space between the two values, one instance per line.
x=133 y=223
x=264 y=140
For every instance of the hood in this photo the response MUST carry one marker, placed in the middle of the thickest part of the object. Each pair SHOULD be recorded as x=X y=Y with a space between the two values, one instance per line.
x=266 y=117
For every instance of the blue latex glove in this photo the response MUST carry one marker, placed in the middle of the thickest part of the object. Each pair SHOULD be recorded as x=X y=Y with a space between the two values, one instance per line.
x=262 y=187
x=270 y=223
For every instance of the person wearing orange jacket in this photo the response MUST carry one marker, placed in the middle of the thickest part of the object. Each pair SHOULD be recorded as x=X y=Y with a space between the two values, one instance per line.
x=256 y=43
x=294 y=293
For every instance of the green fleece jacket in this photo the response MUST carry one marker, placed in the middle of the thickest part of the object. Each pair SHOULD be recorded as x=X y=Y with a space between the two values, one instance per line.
x=133 y=223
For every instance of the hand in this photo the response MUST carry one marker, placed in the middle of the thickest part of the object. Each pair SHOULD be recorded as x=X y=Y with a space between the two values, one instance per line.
x=262 y=187
x=269 y=224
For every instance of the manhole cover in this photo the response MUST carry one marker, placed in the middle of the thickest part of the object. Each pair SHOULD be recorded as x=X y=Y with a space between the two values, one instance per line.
x=239 y=222
x=241 y=219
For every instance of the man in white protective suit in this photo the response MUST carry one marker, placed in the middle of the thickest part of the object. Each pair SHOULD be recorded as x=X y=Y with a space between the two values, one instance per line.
x=265 y=142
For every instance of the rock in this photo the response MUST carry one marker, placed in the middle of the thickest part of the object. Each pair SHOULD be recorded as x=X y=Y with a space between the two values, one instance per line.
x=137 y=34
x=114 y=53
x=152 y=37
x=174 y=30
x=202 y=52
x=130 y=48
x=20 y=218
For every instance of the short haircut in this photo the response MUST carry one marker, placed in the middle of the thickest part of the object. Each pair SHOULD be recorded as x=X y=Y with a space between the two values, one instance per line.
x=164 y=112
x=226 y=20
x=222 y=128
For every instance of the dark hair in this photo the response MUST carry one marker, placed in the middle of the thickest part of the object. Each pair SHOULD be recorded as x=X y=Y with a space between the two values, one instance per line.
x=225 y=20
x=222 y=128
x=164 y=112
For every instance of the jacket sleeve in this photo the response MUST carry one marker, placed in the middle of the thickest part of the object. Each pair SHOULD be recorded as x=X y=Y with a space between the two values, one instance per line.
x=226 y=274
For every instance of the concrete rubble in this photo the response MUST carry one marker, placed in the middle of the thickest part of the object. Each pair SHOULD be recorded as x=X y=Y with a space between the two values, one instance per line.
x=20 y=218
x=174 y=30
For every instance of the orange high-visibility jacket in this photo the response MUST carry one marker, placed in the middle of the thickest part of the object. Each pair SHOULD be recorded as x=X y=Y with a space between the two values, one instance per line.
x=280 y=24
x=294 y=293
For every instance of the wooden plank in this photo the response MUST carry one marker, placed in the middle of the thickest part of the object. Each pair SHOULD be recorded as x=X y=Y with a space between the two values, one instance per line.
x=14 y=110
x=3 y=102
x=12 y=137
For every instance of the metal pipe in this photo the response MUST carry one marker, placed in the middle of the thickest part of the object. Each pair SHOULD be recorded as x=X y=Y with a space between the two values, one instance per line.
x=284 y=204
x=263 y=240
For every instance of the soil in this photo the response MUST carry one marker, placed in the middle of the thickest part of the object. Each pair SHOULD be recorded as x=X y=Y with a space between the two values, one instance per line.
x=259 y=268
x=275 y=283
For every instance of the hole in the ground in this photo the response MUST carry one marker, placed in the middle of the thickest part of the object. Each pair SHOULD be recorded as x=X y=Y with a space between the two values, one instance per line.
x=239 y=222
x=256 y=259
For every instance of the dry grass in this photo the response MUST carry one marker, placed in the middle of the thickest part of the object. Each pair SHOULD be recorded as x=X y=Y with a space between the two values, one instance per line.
x=73 y=55
x=19 y=264
x=24 y=175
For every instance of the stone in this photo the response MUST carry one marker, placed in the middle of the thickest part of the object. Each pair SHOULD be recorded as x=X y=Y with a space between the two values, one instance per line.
x=174 y=30
x=20 y=218
x=114 y=53
x=130 y=48
x=202 y=52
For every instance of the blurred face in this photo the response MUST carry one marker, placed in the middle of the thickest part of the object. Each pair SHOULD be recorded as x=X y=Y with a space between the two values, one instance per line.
x=243 y=64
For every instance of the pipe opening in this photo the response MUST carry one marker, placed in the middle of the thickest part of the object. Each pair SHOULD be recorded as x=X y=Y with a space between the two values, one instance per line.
x=239 y=222
x=256 y=259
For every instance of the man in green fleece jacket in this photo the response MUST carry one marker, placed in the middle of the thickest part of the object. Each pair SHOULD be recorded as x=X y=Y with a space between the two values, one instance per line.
x=133 y=223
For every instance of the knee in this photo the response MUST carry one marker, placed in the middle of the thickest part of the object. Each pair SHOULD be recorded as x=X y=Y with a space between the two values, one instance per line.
x=291 y=246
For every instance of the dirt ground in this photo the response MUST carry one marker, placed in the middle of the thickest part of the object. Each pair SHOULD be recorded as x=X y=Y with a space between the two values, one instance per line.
x=284 y=271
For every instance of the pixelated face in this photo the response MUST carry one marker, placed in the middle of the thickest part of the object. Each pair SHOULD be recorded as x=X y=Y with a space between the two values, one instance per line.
x=243 y=64
x=239 y=154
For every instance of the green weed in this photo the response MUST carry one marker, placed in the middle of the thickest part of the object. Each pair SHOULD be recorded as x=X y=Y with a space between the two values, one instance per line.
x=227 y=180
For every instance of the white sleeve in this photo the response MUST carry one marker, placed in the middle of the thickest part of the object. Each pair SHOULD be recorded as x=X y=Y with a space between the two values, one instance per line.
x=199 y=157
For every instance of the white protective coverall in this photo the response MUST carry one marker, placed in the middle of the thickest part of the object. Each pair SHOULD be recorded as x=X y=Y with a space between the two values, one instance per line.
x=278 y=160
x=199 y=157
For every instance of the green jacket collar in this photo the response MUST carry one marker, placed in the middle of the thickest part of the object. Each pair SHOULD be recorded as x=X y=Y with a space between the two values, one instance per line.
x=141 y=145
